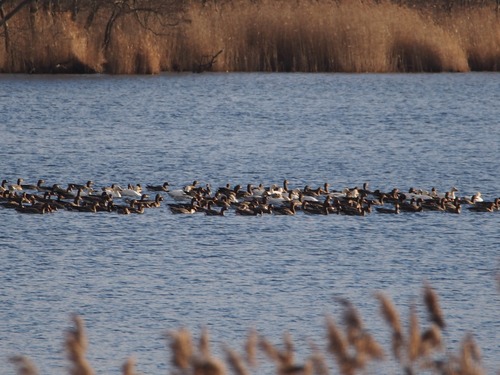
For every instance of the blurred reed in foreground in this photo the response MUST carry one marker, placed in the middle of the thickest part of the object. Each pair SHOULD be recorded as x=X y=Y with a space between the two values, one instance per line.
x=147 y=37
x=350 y=348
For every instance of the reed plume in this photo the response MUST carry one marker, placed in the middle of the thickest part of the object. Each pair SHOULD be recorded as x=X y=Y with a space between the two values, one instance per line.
x=285 y=359
x=470 y=357
x=351 y=345
x=128 y=367
x=204 y=344
x=337 y=342
x=413 y=336
x=318 y=360
x=431 y=339
x=181 y=347
x=270 y=350
x=208 y=366
x=236 y=362
x=76 y=346
x=23 y=365
x=251 y=347
x=391 y=316
x=432 y=302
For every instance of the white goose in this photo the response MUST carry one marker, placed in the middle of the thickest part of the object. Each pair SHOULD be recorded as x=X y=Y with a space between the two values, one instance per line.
x=179 y=195
x=130 y=192
x=113 y=190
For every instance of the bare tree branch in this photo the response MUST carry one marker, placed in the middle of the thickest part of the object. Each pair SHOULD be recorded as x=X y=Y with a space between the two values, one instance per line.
x=13 y=12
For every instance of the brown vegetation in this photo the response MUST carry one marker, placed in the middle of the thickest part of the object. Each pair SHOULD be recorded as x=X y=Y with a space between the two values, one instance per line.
x=150 y=36
x=350 y=346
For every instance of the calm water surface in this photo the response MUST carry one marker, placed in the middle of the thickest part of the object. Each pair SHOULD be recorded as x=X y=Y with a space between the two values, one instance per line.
x=133 y=278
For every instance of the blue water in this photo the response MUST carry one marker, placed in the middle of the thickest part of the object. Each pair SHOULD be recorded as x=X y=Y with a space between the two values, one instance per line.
x=133 y=278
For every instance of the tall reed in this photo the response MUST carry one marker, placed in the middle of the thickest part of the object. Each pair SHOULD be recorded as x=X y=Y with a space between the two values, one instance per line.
x=257 y=35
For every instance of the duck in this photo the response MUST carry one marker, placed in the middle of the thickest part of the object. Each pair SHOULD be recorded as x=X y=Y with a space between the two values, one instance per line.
x=284 y=210
x=386 y=210
x=450 y=194
x=179 y=195
x=434 y=204
x=455 y=209
x=209 y=211
x=276 y=199
x=285 y=185
x=163 y=187
x=12 y=200
x=247 y=209
x=136 y=207
x=83 y=187
x=32 y=209
x=41 y=187
x=413 y=206
x=354 y=210
x=89 y=207
x=182 y=210
x=3 y=186
x=123 y=210
x=488 y=207
x=308 y=198
x=152 y=203
x=477 y=197
x=29 y=186
x=16 y=186
x=66 y=193
x=189 y=188
x=314 y=209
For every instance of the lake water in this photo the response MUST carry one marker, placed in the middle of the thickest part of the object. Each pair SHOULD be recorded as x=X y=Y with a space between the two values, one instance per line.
x=133 y=278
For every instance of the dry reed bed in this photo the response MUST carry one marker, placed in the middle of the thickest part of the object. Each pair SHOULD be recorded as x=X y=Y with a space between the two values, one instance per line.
x=350 y=346
x=264 y=35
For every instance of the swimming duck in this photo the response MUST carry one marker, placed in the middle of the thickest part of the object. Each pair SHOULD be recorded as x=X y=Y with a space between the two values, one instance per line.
x=284 y=210
x=209 y=211
x=3 y=187
x=83 y=187
x=413 y=206
x=487 y=207
x=136 y=207
x=189 y=188
x=182 y=210
x=41 y=187
x=385 y=210
x=163 y=187
x=152 y=203
x=16 y=186
x=179 y=195
x=247 y=209
x=447 y=195
x=32 y=209
x=29 y=186
x=313 y=209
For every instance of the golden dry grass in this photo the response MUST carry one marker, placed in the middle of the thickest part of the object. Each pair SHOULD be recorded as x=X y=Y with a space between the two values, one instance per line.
x=350 y=348
x=263 y=35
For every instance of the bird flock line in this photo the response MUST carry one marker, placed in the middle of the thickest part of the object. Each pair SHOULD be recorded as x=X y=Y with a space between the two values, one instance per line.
x=254 y=200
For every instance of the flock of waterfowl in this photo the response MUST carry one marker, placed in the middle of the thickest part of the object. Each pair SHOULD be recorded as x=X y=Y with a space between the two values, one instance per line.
x=250 y=201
